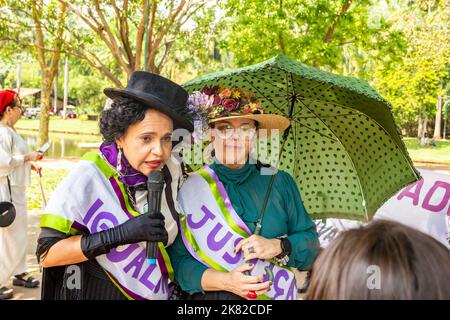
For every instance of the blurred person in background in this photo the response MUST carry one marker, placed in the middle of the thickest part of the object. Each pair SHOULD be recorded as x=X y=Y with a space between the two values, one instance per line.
x=15 y=165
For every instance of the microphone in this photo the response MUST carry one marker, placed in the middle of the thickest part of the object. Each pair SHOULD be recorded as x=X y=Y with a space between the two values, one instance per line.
x=155 y=185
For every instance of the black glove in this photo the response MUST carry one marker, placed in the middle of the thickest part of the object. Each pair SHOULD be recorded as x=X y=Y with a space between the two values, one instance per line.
x=138 y=229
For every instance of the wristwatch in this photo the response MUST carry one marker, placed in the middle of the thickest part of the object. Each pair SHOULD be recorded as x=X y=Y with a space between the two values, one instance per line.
x=283 y=257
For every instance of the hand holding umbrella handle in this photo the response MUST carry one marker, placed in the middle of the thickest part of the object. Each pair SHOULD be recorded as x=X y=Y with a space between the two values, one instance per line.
x=252 y=294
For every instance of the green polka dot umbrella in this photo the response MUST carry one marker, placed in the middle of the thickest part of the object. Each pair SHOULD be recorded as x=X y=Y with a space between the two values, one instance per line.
x=343 y=148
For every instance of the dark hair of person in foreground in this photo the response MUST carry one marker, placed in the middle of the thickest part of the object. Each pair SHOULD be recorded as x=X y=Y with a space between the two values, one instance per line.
x=382 y=260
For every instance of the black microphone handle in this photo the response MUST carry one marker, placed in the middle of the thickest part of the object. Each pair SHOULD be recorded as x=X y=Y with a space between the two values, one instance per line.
x=154 y=206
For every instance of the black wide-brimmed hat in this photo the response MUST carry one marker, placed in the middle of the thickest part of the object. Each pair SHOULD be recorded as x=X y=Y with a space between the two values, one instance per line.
x=158 y=93
x=7 y=214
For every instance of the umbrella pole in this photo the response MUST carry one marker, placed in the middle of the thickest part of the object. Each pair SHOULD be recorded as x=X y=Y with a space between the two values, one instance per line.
x=269 y=188
x=252 y=294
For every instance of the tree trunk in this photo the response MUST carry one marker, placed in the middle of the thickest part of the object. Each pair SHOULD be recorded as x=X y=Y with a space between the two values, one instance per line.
x=55 y=94
x=422 y=127
x=66 y=87
x=48 y=71
x=19 y=76
x=330 y=32
x=44 y=118
x=437 y=123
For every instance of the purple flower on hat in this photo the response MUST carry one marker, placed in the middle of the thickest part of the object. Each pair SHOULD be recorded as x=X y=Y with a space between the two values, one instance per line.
x=198 y=102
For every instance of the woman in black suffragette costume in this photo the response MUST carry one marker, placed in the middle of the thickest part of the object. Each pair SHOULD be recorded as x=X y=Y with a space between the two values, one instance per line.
x=97 y=218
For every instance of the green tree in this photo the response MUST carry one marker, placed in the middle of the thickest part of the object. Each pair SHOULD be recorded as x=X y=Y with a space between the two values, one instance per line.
x=316 y=32
x=415 y=83
x=119 y=37
x=38 y=26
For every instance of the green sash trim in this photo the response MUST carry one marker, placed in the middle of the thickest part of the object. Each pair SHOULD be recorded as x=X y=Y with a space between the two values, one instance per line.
x=166 y=259
x=223 y=208
x=108 y=171
x=190 y=238
x=58 y=223
x=226 y=213
x=101 y=164
x=126 y=198
x=118 y=286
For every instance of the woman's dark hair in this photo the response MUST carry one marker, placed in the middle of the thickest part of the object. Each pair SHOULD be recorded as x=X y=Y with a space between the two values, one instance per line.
x=123 y=113
x=408 y=263
x=15 y=102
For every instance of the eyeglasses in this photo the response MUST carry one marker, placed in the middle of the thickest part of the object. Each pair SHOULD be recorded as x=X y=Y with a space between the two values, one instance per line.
x=225 y=131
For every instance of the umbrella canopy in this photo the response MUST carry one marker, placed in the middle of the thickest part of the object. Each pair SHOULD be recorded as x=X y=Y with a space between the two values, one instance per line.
x=343 y=148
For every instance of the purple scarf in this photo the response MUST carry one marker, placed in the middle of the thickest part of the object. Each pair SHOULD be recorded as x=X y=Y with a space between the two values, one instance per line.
x=130 y=176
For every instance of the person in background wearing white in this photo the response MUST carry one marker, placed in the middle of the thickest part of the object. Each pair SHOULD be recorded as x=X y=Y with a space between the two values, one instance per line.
x=15 y=165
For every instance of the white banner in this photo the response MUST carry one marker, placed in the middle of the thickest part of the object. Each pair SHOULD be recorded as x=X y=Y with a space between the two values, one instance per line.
x=424 y=205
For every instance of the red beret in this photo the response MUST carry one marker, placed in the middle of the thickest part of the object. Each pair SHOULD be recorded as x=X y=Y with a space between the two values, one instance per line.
x=6 y=96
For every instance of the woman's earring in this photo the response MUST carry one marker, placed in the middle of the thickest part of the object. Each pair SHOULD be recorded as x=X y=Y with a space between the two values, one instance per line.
x=119 y=160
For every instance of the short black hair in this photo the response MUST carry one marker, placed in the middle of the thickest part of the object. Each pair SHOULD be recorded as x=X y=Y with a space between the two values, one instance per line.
x=123 y=113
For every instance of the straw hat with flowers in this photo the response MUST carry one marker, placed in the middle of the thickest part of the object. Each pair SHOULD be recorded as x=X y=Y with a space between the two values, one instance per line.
x=212 y=104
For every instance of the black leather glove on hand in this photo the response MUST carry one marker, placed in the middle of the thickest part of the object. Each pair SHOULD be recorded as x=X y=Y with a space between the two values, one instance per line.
x=138 y=229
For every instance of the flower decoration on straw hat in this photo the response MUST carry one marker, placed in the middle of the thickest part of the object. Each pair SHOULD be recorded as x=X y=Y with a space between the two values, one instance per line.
x=216 y=102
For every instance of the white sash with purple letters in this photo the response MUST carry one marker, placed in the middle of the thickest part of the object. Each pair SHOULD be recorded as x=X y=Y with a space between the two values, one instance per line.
x=91 y=199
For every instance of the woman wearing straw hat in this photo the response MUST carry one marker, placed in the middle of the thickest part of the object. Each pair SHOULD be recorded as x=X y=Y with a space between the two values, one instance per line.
x=95 y=227
x=221 y=252
x=15 y=164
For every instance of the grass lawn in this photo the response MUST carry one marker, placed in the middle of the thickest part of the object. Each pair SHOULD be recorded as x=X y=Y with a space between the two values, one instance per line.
x=60 y=125
x=440 y=153
x=51 y=178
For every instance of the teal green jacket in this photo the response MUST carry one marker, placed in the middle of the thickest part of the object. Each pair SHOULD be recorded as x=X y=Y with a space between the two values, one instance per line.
x=284 y=214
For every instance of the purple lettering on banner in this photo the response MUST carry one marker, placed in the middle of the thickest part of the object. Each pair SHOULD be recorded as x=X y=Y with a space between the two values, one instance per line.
x=443 y=202
x=195 y=225
x=103 y=216
x=211 y=239
x=137 y=263
x=230 y=259
x=165 y=283
x=99 y=217
x=116 y=256
x=144 y=279
x=412 y=194
x=279 y=291
x=162 y=285
x=97 y=204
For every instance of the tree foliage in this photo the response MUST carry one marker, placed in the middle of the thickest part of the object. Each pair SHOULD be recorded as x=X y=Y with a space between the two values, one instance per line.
x=413 y=83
